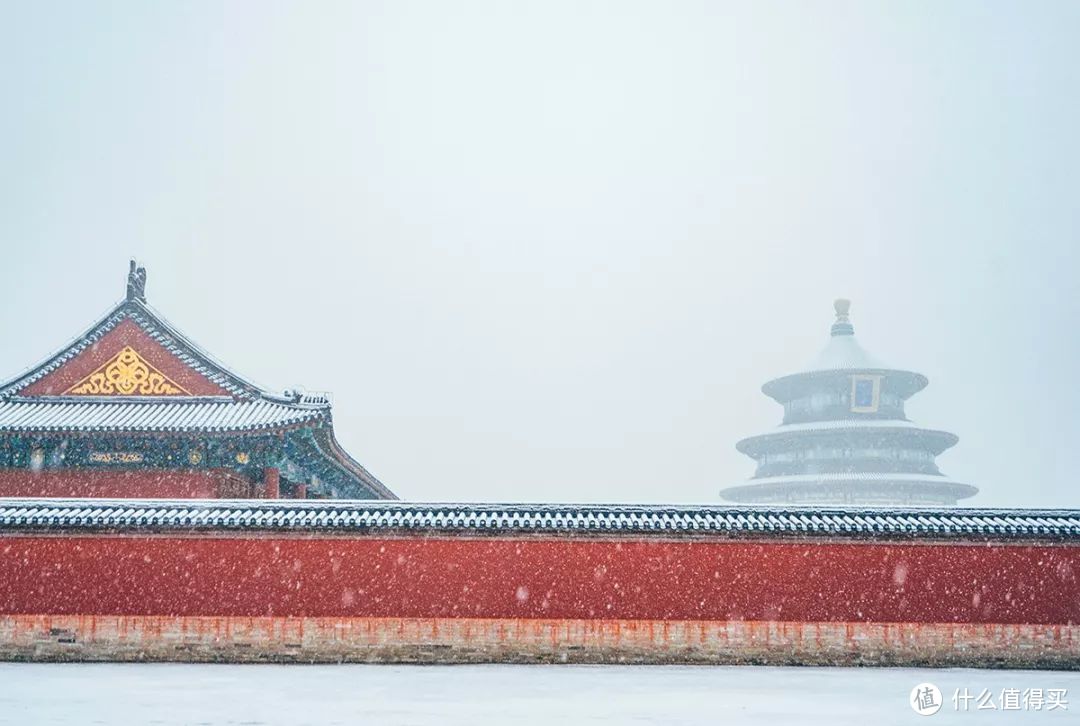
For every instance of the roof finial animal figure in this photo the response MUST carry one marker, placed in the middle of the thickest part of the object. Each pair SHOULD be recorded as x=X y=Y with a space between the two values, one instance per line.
x=136 y=282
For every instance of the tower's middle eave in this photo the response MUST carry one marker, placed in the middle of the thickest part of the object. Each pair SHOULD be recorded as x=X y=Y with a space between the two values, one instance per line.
x=785 y=436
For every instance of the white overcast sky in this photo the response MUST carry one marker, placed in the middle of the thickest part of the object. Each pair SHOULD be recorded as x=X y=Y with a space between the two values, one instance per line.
x=551 y=250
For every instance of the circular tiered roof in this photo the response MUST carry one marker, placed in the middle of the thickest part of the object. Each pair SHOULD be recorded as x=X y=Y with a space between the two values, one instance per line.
x=845 y=438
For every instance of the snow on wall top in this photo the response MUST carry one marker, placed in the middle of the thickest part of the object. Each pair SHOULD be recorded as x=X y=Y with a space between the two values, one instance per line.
x=660 y=520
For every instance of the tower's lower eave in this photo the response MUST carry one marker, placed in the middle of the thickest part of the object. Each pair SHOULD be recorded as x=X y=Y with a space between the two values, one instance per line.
x=885 y=489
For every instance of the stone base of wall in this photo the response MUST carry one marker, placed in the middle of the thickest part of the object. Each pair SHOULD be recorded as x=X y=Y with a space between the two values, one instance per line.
x=414 y=640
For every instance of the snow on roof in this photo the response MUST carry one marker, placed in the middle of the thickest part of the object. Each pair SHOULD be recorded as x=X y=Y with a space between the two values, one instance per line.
x=249 y=407
x=944 y=439
x=849 y=423
x=854 y=476
x=253 y=407
x=156 y=415
x=843 y=352
x=661 y=520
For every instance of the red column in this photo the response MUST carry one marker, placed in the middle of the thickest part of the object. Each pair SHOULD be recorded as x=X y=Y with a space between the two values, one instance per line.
x=271 y=483
x=301 y=491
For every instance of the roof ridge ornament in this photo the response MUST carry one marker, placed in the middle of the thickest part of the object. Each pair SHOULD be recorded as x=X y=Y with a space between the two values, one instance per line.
x=843 y=325
x=136 y=282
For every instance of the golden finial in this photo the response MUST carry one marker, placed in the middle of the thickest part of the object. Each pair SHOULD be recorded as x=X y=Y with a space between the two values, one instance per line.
x=843 y=325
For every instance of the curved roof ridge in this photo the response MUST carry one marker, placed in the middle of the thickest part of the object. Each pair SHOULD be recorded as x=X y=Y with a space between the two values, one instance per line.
x=165 y=333
x=190 y=353
x=843 y=352
x=69 y=350
x=337 y=453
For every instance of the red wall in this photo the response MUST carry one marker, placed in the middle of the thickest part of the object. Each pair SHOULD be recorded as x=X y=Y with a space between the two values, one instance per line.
x=538 y=578
x=105 y=484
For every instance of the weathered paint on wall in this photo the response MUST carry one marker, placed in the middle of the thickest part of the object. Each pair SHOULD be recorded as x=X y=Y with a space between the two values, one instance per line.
x=478 y=640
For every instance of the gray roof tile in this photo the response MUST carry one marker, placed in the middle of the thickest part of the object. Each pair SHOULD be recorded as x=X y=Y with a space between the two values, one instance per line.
x=160 y=416
x=22 y=514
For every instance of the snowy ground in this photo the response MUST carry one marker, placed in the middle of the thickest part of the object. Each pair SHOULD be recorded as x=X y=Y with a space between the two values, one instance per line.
x=522 y=695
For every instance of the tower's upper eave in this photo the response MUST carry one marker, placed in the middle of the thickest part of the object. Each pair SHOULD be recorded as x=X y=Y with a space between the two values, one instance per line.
x=843 y=352
x=842 y=355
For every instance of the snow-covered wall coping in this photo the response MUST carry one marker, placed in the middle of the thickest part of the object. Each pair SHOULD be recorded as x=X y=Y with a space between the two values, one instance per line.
x=467 y=518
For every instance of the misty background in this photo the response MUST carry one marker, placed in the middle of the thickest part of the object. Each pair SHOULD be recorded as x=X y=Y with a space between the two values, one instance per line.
x=551 y=250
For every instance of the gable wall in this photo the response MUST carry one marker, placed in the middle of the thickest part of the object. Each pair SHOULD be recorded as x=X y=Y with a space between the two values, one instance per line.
x=126 y=333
